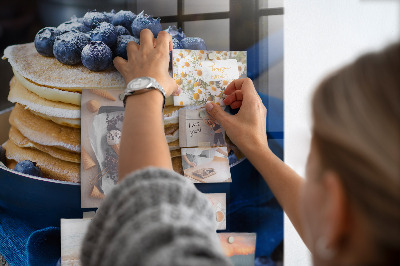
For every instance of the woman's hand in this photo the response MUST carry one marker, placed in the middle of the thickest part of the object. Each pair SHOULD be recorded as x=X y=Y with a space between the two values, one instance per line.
x=150 y=59
x=247 y=129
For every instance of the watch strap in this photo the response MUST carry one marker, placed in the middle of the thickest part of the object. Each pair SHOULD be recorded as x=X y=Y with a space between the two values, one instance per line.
x=154 y=85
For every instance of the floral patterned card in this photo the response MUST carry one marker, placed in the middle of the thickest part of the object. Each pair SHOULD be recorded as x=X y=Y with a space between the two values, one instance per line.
x=204 y=75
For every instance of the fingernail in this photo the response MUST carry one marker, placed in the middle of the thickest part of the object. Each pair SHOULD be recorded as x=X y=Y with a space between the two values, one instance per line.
x=209 y=106
x=179 y=90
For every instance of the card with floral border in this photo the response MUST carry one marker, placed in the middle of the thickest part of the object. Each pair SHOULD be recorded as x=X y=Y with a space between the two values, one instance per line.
x=204 y=75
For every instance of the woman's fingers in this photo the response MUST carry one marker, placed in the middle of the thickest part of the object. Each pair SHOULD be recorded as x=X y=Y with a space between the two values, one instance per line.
x=240 y=91
x=131 y=49
x=119 y=63
x=177 y=92
x=163 y=42
x=235 y=96
x=236 y=105
x=146 y=40
x=245 y=85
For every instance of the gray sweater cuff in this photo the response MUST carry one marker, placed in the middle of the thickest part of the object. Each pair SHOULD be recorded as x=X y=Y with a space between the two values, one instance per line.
x=153 y=217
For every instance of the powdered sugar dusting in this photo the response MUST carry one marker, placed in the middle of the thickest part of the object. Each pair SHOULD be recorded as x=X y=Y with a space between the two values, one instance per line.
x=96 y=49
x=49 y=72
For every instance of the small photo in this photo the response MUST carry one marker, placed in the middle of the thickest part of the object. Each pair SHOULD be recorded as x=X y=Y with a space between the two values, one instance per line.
x=206 y=165
x=240 y=248
x=72 y=233
x=198 y=129
x=218 y=201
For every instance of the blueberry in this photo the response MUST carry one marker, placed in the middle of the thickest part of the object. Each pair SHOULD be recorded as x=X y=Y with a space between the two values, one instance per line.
x=176 y=33
x=92 y=19
x=68 y=47
x=176 y=44
x=72 y=26
x=96 y=56
x=122 y=42
x=44 y=41
x=109 y=15
x=193 y=43
x=106 y=33
x=124 y=18
x=121 y=30
x=2 y=154
x=142 y=22
x=28 y=167
x=76 y=19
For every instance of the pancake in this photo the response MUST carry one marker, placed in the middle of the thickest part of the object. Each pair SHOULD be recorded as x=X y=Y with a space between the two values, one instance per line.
x=45 y=132
x=11 y=164
x=19 y=94
x=171 y=124
x=174 y=145
x=23 y=142
x=51 y=167
x=69 y=122
x=175 y=153
x=172 y=137
x=51 y=94
x=47 y=71
x=177 y=165
x=171 y=115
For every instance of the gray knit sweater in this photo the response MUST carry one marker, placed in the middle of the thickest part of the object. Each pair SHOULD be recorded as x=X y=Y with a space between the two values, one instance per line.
x=153 y=217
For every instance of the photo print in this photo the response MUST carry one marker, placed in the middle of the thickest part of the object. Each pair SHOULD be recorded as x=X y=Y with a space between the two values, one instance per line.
x=218 y=201
x=204 y=75
x=72 y=234
x=206 y=165
x=239 y=247
x=102 y=116
x=198 y=129
x=101 y=123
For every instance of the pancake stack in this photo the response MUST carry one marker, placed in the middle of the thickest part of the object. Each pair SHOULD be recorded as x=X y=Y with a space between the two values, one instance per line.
x=45 y=122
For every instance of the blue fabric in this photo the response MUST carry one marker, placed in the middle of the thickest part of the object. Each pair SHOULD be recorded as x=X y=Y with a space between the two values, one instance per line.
x=252 y=206
x=22 y=244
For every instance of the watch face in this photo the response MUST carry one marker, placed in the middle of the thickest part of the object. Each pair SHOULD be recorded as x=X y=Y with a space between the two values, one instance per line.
x=140 y=83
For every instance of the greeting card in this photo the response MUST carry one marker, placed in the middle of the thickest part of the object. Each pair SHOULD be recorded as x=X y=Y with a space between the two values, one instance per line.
x=204 y=75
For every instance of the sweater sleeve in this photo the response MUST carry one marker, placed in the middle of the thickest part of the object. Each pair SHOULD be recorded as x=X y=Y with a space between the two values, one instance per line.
x=153 y=217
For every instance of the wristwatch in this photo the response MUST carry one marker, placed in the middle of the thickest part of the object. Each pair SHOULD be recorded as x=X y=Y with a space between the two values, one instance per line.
x=141 y=85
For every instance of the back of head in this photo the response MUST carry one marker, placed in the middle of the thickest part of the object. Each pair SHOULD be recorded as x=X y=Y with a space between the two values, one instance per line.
x=356 y=114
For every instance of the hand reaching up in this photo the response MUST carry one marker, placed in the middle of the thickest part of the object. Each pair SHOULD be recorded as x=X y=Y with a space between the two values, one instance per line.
x=247 y=129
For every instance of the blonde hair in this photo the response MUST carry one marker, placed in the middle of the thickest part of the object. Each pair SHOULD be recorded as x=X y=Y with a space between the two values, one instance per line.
x=356 y=113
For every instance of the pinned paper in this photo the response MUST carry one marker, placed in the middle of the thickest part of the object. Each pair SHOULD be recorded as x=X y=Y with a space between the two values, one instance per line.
x=198 y=129
x=240 y=248
x=218 y=201
x=72 y=234
x=204 y=75
x=206 y=165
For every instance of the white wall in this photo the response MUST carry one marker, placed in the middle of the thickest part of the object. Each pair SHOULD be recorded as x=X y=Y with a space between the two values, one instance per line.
x=320 y=36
